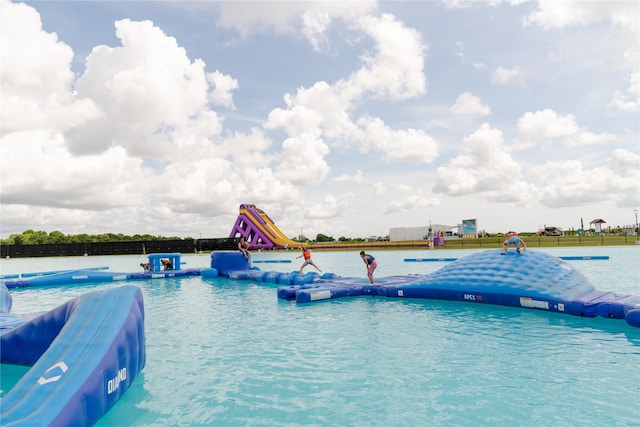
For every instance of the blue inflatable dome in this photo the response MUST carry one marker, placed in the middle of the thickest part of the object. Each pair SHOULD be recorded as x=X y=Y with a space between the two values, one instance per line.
x=534 y=274
x=533 y=280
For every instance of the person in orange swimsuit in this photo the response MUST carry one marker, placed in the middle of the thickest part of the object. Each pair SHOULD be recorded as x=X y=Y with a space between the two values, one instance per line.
x=306 y=253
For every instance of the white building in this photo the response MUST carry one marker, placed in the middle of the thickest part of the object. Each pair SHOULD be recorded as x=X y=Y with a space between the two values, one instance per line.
x=403 y=234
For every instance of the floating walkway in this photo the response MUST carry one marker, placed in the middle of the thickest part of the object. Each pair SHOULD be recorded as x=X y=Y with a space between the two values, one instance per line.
x=153 y=269
x=566 y=258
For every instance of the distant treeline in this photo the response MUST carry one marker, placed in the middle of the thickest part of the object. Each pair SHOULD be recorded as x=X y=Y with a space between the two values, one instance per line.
x=31 y=237
x=40 y=244
x=136 y=247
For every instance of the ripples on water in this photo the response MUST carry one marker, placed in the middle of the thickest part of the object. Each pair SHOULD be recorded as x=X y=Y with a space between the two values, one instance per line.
x=225 y=352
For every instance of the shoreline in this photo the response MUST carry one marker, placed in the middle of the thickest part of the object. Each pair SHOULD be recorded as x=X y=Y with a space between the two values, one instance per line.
x=484 y=243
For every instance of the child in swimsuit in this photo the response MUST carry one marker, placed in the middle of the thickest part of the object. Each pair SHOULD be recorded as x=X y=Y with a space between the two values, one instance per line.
x=370 y=262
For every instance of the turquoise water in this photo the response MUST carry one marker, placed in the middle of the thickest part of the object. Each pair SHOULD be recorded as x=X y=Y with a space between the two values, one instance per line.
x=229 y=353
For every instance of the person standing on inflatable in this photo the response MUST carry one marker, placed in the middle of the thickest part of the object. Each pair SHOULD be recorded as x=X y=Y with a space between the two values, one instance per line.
x=513 y=239
x=370 y=262
x=306 y=253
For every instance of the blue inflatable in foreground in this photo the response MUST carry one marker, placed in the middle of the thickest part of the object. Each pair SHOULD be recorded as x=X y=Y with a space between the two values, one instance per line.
x=532 y=280
x=83 y=355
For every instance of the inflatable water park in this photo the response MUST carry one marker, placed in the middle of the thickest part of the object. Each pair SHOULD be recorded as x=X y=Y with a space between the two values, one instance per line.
x=86 y=353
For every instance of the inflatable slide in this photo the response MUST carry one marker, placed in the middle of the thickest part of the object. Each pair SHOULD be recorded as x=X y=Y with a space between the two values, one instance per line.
x=259 y=230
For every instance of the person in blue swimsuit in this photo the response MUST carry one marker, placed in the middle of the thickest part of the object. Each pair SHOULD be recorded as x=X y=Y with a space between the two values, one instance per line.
x=513 y=239
x=370 y=262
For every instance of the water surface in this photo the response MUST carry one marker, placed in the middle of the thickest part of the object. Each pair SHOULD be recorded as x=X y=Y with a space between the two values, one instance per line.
x=229 y=353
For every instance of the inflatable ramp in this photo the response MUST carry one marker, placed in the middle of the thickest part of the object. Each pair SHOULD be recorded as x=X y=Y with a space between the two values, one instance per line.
x=83 y=356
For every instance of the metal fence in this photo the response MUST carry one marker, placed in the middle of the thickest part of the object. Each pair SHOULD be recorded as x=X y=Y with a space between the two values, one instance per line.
x=117 y=248
x=544 y=241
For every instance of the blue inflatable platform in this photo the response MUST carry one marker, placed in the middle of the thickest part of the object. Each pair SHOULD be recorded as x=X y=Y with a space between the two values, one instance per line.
x=533 y=280
x=83 y=356
x=159 y=266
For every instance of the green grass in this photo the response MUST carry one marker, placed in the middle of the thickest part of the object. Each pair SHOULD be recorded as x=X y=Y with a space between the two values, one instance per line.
x=490 y=242
x=544 y=242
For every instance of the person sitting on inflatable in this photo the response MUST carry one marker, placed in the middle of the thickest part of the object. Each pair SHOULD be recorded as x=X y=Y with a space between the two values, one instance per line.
x=243 y=246
x=167 y=264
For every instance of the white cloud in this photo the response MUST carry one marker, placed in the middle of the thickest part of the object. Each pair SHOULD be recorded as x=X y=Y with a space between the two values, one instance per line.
x=380 y=189
x=505 y=76
x=546 y=127
x=223 y=85
x=330 y=207
x=247 y=149
x=302 y=160
x=629 y=101
x=396 y=70
x=484 y=167
x=411 y=145
x=403 y=188
x=469 y=105
x=147 y=88
x=357 y=179
x=626 y=163
x=263 y=185
x=312 y=19
x=300 y=117
x=559 y=14
x=623 y=15
x=36 y=75
x=567 y=183
x=414 y=201
x=315 y=24
x=56 y=179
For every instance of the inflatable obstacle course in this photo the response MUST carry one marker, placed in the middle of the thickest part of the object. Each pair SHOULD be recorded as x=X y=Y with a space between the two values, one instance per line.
x=532 y=280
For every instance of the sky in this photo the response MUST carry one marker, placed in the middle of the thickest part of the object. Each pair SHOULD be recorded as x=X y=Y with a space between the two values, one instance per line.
x=343 y=118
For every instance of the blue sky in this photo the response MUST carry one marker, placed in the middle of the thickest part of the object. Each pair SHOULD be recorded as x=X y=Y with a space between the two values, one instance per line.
x=341 y=118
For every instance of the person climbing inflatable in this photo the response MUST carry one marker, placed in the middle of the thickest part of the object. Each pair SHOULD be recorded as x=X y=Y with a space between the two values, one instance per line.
x=513 y=239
